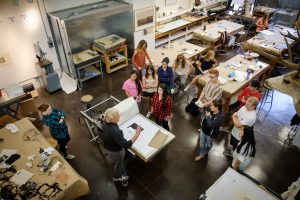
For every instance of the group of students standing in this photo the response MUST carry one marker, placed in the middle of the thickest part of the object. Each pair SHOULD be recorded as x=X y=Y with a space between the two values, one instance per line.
x=157 y=85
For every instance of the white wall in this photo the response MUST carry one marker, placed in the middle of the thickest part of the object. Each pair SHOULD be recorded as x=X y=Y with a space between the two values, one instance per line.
x=17 y=38
x=185 y=4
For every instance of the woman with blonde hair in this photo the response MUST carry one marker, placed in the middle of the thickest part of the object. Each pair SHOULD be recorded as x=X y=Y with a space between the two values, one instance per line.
x=182 y=69
x=150 y=82
x=202 y=66
x=139 y=58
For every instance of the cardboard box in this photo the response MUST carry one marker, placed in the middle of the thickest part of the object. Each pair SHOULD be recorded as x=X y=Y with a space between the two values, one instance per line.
x=27 y=105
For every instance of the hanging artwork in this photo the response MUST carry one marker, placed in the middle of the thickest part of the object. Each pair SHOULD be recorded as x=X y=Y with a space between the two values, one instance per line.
x=170 y=2
x=144 y=18
x=4 y=59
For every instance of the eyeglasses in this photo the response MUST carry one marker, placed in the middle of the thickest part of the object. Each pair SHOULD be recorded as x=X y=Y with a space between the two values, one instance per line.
x=180 y=58
x=212 y=76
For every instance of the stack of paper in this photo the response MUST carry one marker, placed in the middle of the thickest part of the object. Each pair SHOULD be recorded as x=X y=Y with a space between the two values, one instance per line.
x=240 y=76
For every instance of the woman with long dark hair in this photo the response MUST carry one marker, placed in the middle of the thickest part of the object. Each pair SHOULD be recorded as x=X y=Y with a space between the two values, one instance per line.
x=150 y=82
x=133 y=86
x=245 y=150
x=162 y=106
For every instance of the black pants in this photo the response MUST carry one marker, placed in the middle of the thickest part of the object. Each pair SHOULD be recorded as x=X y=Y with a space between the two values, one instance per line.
x=62 y=142
x=163 y=123
x=234 y=142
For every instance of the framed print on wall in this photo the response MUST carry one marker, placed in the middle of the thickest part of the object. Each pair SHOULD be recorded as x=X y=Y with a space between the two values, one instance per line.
x=170 y=2
x=144 y=18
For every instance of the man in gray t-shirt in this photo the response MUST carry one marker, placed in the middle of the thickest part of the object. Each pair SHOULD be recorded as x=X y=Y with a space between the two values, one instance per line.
x=246 y=115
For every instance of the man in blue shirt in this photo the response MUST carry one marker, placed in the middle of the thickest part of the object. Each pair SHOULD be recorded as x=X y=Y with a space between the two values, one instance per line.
x=54 y=119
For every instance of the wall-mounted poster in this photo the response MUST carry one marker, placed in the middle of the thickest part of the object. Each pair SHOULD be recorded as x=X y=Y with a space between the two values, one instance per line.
x=4 y=59
x=170 y=2
x=144 y=18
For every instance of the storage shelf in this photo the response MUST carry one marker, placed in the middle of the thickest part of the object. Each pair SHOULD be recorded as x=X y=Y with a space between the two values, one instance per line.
x=90 y=69
x=120 y=52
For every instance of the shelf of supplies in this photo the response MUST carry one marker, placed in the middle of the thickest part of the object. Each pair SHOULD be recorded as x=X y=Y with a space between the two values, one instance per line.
x=89 y=70
x=171 y=16
x=119 y=52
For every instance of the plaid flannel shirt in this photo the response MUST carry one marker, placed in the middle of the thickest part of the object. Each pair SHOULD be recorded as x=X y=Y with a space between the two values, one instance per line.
x=158 y=111
x=57 y=130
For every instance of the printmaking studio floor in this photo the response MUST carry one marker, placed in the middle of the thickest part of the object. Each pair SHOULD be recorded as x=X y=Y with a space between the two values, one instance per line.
x=173 y=174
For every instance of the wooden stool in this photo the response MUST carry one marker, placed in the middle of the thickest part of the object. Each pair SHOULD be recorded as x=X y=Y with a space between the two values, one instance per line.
x=52 y=142
x=87 y=100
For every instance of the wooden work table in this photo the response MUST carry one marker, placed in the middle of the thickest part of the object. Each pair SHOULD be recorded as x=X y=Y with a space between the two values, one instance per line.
x=28 y=141
x=172 y=50
x=236 y=64
x=270 y=41
x=213 y=31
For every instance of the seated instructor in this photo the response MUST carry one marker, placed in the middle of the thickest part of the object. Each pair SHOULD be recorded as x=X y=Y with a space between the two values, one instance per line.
x=115 y=143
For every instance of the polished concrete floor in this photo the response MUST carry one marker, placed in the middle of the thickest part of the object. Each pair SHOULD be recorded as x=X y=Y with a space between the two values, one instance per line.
x=173 y=174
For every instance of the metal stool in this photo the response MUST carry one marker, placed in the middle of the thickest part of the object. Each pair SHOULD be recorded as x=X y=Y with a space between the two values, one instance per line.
x=87 y=100
x=240 y=38
x=267 y=97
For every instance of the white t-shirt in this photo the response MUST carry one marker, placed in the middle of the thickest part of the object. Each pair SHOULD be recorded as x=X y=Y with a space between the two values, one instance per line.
x=246 y=118
x=244 y=159
x=183 y=71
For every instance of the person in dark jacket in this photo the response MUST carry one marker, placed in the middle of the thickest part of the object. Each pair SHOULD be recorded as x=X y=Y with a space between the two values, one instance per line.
x=210 y=127
x=115 y=143
x=165 y=74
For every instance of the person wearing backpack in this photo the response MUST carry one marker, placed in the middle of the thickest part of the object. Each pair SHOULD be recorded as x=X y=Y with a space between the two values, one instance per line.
x=210 y=127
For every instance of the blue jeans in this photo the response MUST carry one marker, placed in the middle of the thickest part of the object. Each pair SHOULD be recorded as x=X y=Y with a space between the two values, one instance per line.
x=205 y=144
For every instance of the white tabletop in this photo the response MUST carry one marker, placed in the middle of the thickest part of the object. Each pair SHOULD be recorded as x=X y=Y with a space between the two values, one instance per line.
x=172 y=25
x=234 y=186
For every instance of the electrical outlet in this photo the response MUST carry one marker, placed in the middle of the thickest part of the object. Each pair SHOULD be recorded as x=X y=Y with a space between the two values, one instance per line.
x=50 y=42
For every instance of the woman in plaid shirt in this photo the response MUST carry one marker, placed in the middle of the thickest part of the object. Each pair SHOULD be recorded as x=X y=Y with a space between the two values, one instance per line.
x=55 y=119
x=162 y=106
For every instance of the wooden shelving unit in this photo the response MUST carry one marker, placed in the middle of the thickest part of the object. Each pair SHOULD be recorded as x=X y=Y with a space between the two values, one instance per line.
x=119 y=53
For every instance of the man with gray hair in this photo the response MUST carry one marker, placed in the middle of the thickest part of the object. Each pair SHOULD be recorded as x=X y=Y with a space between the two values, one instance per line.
x=115 y=143
x=246 y=115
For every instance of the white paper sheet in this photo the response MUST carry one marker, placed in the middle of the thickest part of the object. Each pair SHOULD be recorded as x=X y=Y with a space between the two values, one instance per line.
x=141 y=144
x=21 y=177
x=232 y=185
x=240 y=76
x=68 y=84
x=267 y=32
x=128 y=108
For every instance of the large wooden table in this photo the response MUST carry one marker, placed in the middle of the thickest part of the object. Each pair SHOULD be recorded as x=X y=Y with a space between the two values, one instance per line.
x=270 y=42
x=231 y=87
x=28 y=140
x=172 y=50
x=213 y=31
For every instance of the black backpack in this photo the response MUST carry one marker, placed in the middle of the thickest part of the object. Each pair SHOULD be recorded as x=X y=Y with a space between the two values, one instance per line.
x=192 y=108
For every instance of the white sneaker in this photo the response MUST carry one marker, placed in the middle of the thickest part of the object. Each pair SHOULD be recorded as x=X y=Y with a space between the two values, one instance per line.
x=148 y=114
x=70 y=157
x=186 y=88
x=122 y=178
